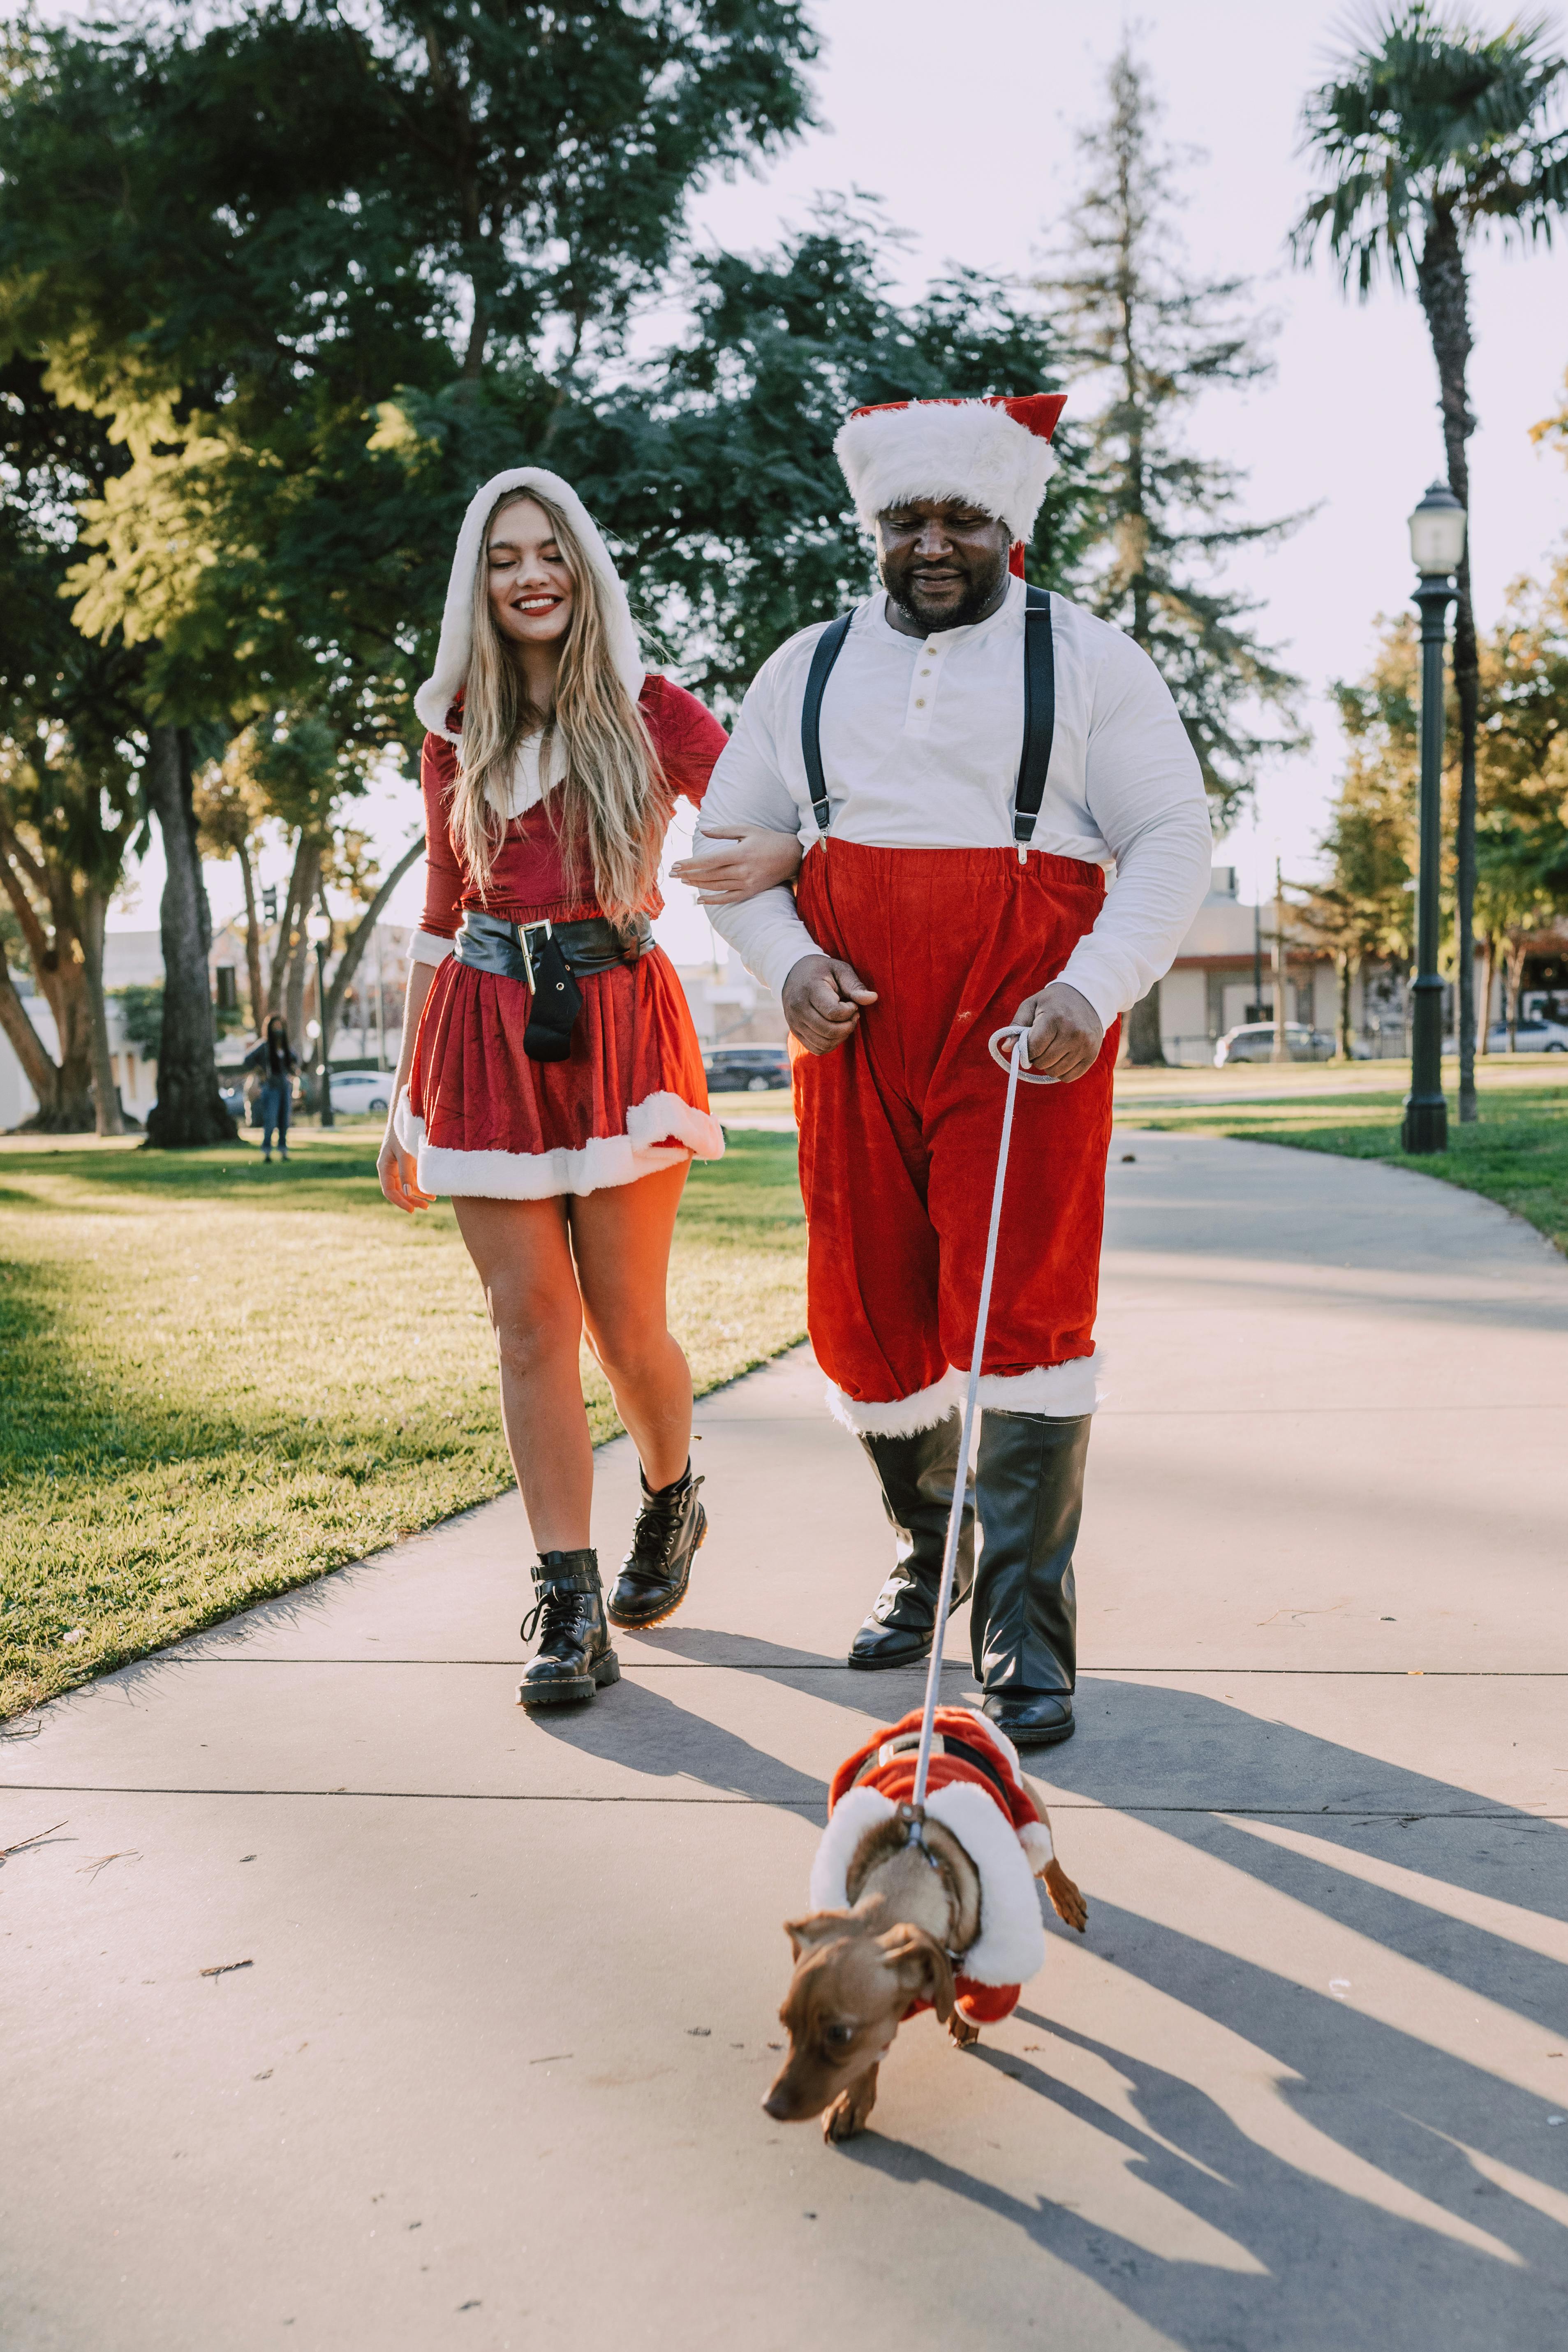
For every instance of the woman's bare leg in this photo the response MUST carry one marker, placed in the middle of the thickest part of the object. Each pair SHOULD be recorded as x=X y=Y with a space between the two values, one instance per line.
x=523 y=1259
x=621 y=1239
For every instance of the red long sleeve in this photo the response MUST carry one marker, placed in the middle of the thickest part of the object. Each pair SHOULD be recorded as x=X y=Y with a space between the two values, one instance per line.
x=687 y=736
x=443 y=874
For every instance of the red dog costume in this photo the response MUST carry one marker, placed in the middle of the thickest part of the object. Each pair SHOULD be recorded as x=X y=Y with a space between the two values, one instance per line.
x=976 y=1790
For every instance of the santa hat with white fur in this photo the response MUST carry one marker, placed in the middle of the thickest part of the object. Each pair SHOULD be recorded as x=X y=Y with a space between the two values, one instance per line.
x=434 y=700
x=994 y=453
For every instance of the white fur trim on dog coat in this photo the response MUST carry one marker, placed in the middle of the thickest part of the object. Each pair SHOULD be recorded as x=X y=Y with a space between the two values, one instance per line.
x=1011 y=1945
x=977 y=450
x=434 y=697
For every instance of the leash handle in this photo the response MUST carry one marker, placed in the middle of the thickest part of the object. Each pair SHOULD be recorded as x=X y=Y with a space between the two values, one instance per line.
x=1001 y=1055
x=955 y=1517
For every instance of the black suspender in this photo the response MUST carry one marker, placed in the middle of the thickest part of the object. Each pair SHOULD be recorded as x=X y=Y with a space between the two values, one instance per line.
x=1039 y=714
x=824 y=653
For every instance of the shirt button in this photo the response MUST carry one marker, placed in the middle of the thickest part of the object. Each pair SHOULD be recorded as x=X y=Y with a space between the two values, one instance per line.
x=920 y=702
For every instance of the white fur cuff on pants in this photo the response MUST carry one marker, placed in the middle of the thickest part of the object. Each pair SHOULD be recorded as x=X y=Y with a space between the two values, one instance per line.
x=1060 y=1391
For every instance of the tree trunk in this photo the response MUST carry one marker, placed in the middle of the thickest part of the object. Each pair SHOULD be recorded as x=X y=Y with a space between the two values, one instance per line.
x=109 y=1110
x=28 y=1047
x=283 y=953
x=63 y=984
x=1347 y=963
x=1146 y=1047
x=189 y=1109
x=304 y=887
x=1514 y=953
x=252 y=942
x=360 y=938
x=1484 y=1017
x=1445 y=299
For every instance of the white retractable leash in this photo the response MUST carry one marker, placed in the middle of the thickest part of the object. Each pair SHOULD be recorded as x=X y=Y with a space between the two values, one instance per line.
x=1012 y=1062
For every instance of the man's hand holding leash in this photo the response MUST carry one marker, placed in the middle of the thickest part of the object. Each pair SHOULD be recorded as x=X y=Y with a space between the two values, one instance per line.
x=822 y=1001
x=1065 y=1033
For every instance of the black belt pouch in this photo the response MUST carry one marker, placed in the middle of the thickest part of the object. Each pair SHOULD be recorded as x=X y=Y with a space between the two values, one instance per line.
x=557 y=1001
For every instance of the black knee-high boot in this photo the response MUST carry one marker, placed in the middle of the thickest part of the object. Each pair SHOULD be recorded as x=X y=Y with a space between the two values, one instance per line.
x=916 y=1475
x=1029 y=1499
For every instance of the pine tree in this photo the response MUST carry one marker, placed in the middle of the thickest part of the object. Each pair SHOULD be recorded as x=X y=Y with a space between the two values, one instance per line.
x=1150 y=339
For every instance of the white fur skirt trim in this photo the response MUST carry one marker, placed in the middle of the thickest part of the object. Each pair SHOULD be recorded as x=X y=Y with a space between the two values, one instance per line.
x=596 y=1166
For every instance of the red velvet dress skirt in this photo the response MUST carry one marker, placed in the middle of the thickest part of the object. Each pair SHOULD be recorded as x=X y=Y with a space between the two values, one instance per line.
x=486 y=1122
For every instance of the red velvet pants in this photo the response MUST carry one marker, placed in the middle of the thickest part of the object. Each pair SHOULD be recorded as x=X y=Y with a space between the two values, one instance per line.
x=900 y=1127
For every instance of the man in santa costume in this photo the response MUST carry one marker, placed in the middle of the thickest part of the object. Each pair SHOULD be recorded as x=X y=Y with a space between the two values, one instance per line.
x=963 y=758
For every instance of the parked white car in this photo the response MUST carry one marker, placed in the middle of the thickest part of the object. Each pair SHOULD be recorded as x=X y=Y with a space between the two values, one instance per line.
x=362 y=1090
x=1253 y=1042
x=1535 y=1034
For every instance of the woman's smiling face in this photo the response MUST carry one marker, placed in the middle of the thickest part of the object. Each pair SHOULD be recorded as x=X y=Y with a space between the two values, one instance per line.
x=529 y=586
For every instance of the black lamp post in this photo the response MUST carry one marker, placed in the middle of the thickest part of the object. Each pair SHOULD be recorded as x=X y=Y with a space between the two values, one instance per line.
x=319 y=930
x=1437 y=543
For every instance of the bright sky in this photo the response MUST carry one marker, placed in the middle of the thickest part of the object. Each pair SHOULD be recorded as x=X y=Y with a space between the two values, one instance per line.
x=963 y=120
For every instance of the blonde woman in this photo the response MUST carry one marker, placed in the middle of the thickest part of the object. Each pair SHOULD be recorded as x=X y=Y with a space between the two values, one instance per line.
x=550 y=1080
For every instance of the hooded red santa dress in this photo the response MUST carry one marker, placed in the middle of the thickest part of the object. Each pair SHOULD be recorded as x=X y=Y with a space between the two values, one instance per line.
x=976 y=1790
x=482 y=1118
x=918 y=884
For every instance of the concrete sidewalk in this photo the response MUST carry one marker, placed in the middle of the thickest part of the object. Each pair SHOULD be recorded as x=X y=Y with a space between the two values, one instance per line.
x=489 y=2073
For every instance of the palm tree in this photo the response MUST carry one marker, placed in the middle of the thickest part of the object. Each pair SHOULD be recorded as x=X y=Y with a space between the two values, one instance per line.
x=1431 y=136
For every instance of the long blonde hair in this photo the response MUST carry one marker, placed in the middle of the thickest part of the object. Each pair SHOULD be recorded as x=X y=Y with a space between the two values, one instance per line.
x=614 y=800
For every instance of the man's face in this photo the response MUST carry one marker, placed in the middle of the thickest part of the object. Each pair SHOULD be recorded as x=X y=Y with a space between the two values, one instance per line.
x=942 y=563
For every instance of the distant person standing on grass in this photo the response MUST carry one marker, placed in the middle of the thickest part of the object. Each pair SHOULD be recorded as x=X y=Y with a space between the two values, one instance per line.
x=550 y=1079
x=276 y=1062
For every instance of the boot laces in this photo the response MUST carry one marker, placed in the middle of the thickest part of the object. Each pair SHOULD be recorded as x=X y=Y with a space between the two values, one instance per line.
x=659 y=1524
x=556 y=1612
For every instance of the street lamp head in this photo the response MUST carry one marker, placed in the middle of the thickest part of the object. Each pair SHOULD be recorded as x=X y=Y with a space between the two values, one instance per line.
x=1437 y=533
x=319 y=931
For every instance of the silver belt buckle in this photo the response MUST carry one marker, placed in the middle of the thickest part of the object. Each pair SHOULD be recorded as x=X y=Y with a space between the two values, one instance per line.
x=522 y=931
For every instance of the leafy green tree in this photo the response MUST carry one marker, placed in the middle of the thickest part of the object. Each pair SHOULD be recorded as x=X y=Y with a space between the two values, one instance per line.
x=68 y=780
x=231 y=243
x=1149 y=339
x=1432 y=136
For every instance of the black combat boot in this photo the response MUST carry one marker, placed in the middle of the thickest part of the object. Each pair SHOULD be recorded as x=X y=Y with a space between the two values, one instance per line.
x=654 y=1574
x=573 y=1657
x=916 y=1475
x=1024 y=1624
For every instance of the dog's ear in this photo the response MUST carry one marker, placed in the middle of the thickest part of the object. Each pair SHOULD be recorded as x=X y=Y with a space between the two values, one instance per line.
x=816 y=1928
x=923 y=1968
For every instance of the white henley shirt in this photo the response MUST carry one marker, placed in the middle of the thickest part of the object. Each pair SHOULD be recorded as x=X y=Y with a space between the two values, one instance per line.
x=920 y=744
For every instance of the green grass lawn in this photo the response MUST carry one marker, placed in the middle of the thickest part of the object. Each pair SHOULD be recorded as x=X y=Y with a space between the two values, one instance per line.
x=1516 y=1153
x=218 y=1379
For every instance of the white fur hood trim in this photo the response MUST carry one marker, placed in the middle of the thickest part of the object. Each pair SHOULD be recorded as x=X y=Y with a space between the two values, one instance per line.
x=1012 y=1944
x=969 y=450
x=434 y=697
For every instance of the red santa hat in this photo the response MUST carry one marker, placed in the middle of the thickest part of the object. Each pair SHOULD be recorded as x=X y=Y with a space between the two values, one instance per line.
x=434 y=700
x=994 y=453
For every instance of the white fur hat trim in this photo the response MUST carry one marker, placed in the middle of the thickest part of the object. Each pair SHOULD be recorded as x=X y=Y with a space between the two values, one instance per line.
x=1012 y=1943
x=977 y=450
x=434 y=697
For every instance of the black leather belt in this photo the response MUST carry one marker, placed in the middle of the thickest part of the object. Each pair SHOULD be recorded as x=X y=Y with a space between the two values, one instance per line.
x=550 y=959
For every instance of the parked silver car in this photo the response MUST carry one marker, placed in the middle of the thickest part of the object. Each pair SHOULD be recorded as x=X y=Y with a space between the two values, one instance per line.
x=361 y=1090
x=1534 y=1034
x=1253 y=1040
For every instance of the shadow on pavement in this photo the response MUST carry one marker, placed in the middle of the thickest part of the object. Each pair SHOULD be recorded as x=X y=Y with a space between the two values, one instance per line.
x=1334 y=2266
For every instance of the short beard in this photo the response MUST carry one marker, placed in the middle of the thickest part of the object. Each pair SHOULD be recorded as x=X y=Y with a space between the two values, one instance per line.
x=970 y=609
